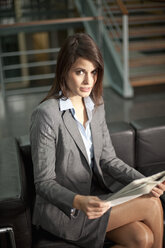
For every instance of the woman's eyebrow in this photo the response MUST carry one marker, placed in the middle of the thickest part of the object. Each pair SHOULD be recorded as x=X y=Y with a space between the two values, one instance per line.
x=79 y=68
x=82 y=68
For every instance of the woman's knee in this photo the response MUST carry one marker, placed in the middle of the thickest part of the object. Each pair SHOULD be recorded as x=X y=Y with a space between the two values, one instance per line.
x=154 y=205
x=133 y=235
x=156 y=202
x=144 y=236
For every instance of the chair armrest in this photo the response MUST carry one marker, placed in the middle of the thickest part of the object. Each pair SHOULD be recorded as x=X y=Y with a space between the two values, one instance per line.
x=14 y=211
x=10 y=178
x=123 y=139
x=7 y=237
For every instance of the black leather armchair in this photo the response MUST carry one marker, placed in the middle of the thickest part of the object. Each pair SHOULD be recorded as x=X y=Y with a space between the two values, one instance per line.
x=17 y=191
x=150 y=145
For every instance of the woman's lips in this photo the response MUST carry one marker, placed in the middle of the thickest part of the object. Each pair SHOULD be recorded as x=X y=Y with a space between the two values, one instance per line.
x=85 y=89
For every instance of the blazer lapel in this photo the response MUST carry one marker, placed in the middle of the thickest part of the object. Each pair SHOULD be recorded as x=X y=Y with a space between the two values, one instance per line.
x=97 y=145
x=72 y=128
x=96 y=135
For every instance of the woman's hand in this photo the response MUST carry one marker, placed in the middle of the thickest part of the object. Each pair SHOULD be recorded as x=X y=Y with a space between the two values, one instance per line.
x=92 y=206
x=158 y=190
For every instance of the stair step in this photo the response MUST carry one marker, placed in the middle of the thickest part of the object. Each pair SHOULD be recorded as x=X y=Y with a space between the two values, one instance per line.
x=147 y=60
x=150 y=80
x=146 y=70
x=143 y=32
x=146 y=6
x=147 y=31
x=147 y=45
x=132 y=8
x=143 y=19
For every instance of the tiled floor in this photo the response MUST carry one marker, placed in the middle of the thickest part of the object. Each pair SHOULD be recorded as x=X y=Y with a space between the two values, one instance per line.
x=15 y=110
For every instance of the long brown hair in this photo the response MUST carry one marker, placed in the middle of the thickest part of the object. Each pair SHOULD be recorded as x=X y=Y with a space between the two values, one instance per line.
x=75 y=46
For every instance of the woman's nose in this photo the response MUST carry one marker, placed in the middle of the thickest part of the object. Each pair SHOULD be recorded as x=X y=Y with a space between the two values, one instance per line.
x=89 y=79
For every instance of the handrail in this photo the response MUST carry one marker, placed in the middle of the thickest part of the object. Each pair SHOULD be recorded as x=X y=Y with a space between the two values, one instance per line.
x=122 y=7
x=112 y=25
x=29 y=78
x=29 y=52
x=50 y=22
x=28 y=65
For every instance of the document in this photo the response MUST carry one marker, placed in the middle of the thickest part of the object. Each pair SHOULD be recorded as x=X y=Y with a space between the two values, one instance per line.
x=136 y=188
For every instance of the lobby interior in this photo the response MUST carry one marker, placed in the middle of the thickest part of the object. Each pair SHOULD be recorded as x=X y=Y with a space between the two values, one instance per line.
x=20 y=98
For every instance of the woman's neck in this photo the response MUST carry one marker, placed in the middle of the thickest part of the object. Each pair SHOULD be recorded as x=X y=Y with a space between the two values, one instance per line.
x=77 y=102
x=80 y=110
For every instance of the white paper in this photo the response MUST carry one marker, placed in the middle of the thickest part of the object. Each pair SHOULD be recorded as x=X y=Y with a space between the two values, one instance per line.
x=136 y=188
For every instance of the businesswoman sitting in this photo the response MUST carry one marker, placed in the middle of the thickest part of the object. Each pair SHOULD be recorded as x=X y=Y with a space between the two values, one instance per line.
x=75 y=164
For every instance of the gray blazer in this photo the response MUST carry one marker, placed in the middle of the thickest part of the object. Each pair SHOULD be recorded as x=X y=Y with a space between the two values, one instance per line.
x=61 y=167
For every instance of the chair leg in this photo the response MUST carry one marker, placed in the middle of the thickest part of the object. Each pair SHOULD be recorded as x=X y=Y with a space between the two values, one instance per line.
x=9 y=234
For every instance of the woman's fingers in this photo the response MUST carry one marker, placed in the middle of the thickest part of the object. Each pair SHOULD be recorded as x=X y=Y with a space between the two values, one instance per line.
x=158 y=190
x=96 y=208
x=162 y=186
x=96 y=203
x=95 y=214
x=91 y=205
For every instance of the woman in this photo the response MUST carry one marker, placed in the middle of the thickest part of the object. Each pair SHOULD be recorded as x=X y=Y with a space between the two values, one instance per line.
x=75 y=163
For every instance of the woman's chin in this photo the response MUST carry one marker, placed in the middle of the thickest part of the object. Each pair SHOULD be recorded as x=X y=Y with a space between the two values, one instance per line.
x=85 y=93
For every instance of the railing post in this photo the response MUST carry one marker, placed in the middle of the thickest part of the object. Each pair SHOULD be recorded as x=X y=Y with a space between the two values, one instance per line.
x=127 y=89
x=99 y=15
x=70 y=6
x=1 y=73
x=22 y=44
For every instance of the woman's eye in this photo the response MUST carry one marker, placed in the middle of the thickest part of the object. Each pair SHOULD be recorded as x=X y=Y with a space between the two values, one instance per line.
x=94 y=72
x=80 y=72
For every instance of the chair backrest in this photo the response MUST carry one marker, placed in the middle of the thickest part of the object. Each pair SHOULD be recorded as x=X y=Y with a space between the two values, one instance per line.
x=25 y=153
x=150 y=145
x=123 y=139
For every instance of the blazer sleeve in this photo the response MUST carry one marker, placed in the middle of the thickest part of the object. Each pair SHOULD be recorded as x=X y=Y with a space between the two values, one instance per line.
x=43 y=148
x=110 y=163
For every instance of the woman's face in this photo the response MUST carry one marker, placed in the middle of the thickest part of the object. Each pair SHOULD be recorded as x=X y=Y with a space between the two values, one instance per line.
x=81 y=78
